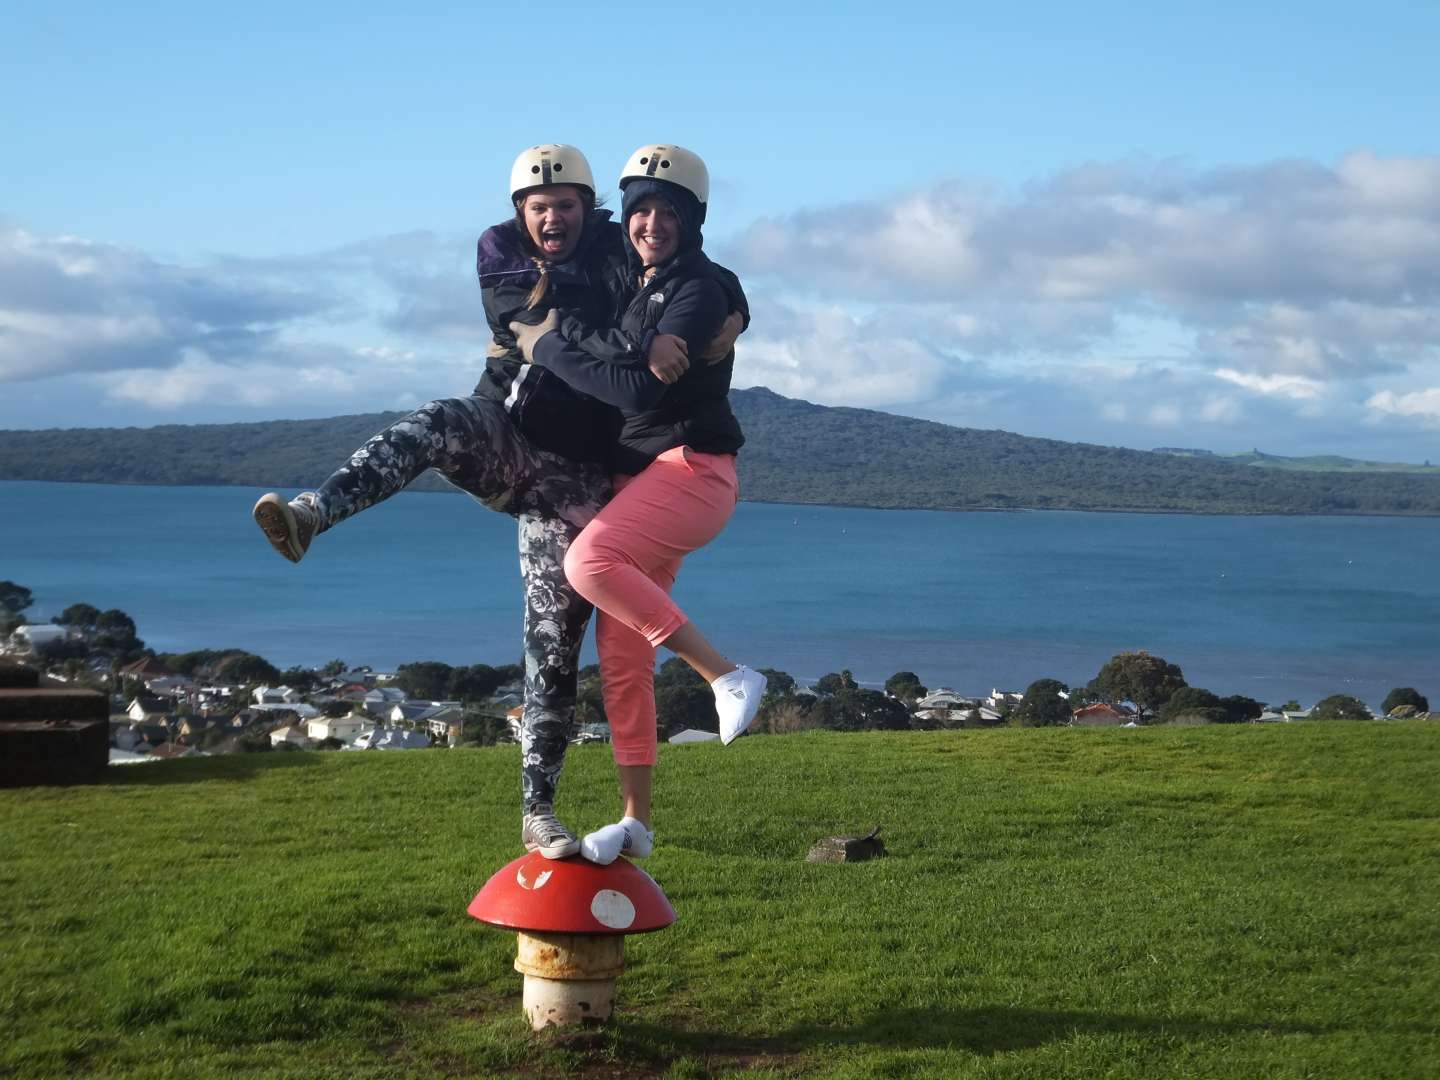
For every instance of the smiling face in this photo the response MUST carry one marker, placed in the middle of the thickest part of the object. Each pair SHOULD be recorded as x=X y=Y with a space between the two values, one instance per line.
x=654 y=229
x=554 y=217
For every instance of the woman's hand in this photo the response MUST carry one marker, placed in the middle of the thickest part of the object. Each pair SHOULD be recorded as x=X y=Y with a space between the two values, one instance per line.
x=526 y=335
x=668 y=358
x=724 y=340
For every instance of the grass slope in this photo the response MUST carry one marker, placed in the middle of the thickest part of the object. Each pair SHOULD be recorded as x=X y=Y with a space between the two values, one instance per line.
x=1204 y=902
x=1312 y=463
x=795 y=452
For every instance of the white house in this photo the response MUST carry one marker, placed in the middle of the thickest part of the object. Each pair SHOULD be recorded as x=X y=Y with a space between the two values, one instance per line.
x=148 y=710
x=944 y=698
x=170 y=685
x=277 y=695
x=692 y=735
x=295 y=736
x=36 y=635
x=420 y=712
x=998 y=699
x=382 y=697
x=345 y=728
x=391 y=739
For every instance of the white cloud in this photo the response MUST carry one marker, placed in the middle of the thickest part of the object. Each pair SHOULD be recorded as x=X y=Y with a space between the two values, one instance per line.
x=1296 y=387
x=1423 y=405
x=1290 y=267
x=198 y=380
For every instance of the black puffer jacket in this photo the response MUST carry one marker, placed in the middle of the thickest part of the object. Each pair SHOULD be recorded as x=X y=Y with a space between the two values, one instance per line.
x=587 y=292
x=689 y=297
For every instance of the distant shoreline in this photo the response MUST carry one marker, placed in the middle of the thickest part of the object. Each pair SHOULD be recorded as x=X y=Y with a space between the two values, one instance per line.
x=438 y=489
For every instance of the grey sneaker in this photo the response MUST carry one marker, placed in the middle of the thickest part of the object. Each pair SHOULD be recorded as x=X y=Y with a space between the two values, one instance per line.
x=542 y=832
x=289 y=526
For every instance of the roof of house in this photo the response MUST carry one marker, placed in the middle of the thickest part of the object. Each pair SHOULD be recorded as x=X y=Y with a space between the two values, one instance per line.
x=147 y=667
x=693 y=735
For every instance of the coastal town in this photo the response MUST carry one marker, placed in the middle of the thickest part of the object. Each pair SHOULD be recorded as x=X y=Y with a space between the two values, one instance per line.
x=210 y=702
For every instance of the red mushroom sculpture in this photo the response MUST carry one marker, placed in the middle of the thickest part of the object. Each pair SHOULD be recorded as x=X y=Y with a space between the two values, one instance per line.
x=572 y=916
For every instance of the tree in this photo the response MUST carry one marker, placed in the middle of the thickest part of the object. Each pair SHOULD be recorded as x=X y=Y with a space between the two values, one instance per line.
x=1240 y=709
x=1340 y=707
x=81 y=617
x=1042 y=705
x=833 y=683
x=424 y=679
x=299 y=678
x=1193 y=704
x=199 y=663
x=243 y=668
x=906 y=686
x=787 y=715
x=14 y=598
x=777 y=683
x=253 y=742
x=861 y=710
x=683 y=699
x=1147 y=681
x=333 y=668
x=473 y=683
x=1404 y=695
x=484 y=729
x=116 y=630
x=55 y=652
x=590 y=701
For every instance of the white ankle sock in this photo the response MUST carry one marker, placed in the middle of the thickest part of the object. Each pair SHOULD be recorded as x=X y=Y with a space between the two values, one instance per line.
x=628 y=836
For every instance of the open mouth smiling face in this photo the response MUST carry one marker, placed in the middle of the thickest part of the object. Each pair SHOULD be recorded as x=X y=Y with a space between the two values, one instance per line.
x=554 y=218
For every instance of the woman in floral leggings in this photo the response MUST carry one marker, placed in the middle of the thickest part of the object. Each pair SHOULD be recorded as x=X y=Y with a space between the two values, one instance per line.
x=523 y=443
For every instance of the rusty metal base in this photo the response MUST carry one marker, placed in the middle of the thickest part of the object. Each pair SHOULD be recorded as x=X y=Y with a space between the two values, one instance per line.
x=569 y=978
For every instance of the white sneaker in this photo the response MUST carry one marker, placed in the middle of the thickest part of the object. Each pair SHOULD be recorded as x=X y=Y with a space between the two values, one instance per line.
x=737 y=700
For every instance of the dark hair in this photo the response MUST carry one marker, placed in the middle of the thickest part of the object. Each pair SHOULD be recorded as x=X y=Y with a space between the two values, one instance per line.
x=587 y=199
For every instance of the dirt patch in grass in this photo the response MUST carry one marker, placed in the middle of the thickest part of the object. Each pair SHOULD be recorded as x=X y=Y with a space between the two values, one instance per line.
x=680 y=1047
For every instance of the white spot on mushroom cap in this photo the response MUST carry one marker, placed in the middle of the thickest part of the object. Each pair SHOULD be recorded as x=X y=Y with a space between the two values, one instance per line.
x=539 y=882
x=613 y=909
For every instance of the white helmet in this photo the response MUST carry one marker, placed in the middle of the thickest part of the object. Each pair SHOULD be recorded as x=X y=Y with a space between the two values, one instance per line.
x=549 y=164
x=665 y=161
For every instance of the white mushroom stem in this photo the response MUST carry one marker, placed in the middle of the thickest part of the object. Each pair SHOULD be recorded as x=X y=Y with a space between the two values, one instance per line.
x=569 y=978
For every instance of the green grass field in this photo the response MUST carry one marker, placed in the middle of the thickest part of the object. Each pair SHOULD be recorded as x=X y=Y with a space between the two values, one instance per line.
x=1198 y=902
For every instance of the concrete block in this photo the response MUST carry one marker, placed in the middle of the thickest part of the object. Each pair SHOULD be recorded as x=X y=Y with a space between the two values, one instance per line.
x=53 y=752
x=21 y=704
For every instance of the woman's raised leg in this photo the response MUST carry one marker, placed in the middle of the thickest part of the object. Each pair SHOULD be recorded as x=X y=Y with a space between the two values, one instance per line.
x=678 y=504
x=470 y=440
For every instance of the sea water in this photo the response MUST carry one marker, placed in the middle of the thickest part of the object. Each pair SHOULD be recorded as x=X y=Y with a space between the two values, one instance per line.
x=1272 y=607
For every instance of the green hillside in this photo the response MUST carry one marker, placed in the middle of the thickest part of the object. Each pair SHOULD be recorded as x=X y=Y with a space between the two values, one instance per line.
x=1312 y=463
x=795 y=452
x=1201 y=902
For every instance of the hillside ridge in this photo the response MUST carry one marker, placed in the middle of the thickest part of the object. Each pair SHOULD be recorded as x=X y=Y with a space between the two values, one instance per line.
x=795 y=452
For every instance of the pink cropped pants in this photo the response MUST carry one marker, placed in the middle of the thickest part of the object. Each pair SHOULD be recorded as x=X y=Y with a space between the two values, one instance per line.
x=625 y=561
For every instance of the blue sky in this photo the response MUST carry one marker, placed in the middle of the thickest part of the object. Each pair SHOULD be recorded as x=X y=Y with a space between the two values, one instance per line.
x=1214 y=227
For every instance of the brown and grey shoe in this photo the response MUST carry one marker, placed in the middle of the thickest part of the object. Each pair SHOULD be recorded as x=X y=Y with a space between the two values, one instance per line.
x=289 y=526
x=541 y=831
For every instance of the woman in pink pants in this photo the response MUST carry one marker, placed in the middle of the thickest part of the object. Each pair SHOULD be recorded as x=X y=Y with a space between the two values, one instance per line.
x=675 y=477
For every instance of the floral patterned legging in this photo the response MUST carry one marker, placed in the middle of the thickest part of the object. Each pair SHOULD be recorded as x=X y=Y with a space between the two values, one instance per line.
x=473 y=444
